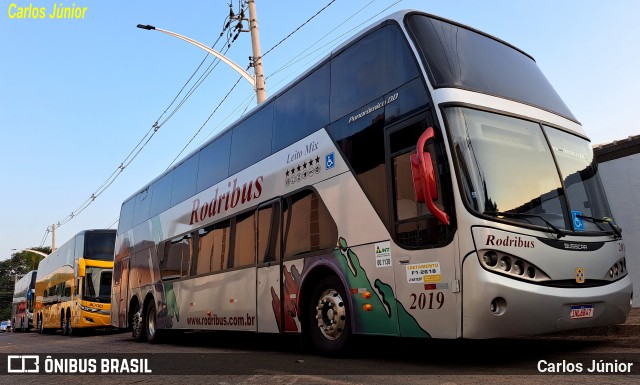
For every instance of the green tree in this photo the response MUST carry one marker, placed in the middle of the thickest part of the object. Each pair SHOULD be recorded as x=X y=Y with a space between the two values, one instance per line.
x=20 y=263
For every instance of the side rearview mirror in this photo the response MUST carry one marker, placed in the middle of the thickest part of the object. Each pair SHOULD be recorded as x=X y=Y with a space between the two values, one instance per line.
x=424 y=177
x=82 y=268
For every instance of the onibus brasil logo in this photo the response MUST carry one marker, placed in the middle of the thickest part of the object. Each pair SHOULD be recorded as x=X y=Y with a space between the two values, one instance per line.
x=31 y=364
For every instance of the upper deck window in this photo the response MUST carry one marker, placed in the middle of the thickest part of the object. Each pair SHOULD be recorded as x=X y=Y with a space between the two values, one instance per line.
x=375 y=65
x=251 y=140
x=455 y=56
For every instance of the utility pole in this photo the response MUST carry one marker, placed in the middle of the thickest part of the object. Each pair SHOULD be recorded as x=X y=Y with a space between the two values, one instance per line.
x=53 y=238
x=257 y=80
x=261 y=93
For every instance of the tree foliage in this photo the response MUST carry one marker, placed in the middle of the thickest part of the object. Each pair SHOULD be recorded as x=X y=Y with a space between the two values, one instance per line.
x=20 y=263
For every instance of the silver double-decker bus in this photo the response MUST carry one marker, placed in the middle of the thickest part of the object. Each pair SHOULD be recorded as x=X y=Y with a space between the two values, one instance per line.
x=423 y=180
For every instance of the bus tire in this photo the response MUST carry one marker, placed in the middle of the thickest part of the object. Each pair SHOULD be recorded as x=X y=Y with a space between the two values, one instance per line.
x=329 y=320
x=63 y=325
x=137 y=325
x=150 y=325
x=39 y=323
x=67 y=331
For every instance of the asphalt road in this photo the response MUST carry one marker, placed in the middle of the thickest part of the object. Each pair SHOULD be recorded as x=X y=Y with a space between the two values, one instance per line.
x=233 y=358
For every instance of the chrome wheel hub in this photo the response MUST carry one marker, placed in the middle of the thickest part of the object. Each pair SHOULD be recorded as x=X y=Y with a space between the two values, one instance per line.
x=331 y=314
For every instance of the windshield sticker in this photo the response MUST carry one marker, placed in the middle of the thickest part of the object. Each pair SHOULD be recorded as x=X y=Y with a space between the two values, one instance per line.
x=578 y=223
x=424 y=272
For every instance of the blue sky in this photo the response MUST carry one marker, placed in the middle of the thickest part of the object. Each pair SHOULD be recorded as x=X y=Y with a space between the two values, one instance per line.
x=78 y=95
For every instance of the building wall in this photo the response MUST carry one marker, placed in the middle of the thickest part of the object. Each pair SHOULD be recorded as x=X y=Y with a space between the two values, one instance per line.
x=621 y=180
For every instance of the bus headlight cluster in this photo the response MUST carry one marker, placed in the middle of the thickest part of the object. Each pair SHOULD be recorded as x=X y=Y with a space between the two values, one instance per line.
x=510 y=265
x=618 y=269
x=92 y=310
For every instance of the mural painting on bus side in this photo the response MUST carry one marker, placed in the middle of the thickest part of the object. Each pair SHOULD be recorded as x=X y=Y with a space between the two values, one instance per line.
x=169 y=309
x=290 y=288
x=380 y=320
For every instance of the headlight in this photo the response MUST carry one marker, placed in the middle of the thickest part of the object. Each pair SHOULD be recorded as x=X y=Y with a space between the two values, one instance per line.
x=490 y=258
x=506 y=264
x=617 y=270
x=518 y=268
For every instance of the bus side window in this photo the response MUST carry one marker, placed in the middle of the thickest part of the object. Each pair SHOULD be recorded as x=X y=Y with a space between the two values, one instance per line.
x=213 y=248
x=268 y=229
x=244 y=246
x=177 y=256
x=307 y=225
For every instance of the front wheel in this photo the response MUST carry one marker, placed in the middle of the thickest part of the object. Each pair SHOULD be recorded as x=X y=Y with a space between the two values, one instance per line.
x=40 y=328
x=329 y=318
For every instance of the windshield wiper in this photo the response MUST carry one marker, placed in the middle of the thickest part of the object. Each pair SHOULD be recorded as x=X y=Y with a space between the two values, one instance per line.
x=617 y=230
x=555 y=229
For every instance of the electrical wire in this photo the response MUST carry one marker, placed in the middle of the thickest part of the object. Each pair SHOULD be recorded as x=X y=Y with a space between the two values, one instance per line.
x=263 y=55
x=137 y=149
x=299 y=57
x=204 y=124
x=44 y=237
x=297 y=29
x=291 y=62
x=156 y=126
x=114 y=222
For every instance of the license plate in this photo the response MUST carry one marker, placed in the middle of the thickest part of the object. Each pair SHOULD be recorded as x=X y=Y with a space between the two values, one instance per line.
x=581 y=311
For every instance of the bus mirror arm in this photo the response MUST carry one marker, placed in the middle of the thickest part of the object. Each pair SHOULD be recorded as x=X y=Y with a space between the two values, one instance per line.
x=82 y=268
x=424 y=177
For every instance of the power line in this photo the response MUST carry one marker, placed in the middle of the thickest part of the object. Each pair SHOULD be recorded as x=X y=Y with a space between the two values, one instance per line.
x=138 y=147
x=198 y=82
x=298 y=57
x=44 y=237
x=156 y=126
x=226 y=25
x=114 y=222
x=293 y=61
x=205 y=122
x=263 y=55
x=297 y=29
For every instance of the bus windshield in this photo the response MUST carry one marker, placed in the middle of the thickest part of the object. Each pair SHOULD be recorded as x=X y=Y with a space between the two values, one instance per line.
x=97 y=285
x=513 y=166
x=99 y=245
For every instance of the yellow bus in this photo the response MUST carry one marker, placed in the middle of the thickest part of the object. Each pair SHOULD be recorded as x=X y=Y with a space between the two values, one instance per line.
x=73 y=285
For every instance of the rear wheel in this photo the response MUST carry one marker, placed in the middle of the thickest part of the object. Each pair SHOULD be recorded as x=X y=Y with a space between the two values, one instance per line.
x=63 y=324
x=329 y=319
x=137 y=324
x=151 y=324
x=67 y=331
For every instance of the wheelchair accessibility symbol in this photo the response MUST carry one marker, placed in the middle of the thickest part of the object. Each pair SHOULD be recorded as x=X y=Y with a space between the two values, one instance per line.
x=329 y=162
x=578 y=223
